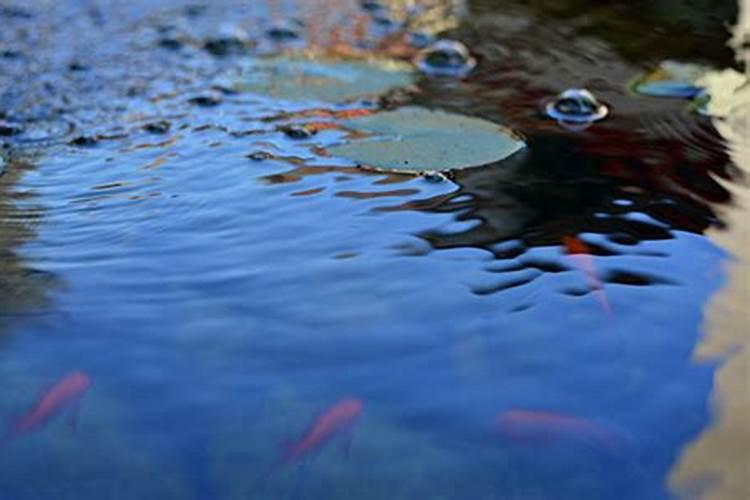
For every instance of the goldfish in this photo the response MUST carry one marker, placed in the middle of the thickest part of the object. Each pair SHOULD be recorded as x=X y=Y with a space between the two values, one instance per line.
x=579 y=252
x=337 y=420
x=543 y=428
x=64 y=394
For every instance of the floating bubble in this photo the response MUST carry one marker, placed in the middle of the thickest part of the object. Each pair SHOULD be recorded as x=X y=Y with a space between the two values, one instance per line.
x=576 y=107
x=445 y=58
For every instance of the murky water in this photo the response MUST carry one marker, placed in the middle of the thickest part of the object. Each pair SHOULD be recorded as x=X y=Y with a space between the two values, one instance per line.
x=521 y=330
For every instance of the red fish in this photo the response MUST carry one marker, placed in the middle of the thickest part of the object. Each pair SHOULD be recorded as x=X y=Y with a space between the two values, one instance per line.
x=581 y=256
x=337 y=420
x=544 y=428
x=65 y=394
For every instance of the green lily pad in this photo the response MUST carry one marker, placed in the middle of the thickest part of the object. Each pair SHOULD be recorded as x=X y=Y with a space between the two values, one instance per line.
x=416 y=140
x=670 y=79
x=323 y=80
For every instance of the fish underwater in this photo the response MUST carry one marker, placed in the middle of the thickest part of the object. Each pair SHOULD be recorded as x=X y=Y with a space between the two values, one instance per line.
x=65 y=394
x=336 y=421
x=546 y=428
x=580 y=254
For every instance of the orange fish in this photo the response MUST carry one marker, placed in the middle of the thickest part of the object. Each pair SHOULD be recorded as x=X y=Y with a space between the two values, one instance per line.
x=543 y=428
x=337 y=420
x=581 y=256
x=65 y=394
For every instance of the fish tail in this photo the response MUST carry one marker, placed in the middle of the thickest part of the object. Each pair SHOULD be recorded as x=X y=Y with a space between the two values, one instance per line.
x=601 y=297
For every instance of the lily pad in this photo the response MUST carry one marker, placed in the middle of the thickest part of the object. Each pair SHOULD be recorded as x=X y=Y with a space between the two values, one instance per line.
x=417 y=140
x=323 y=80
x=671 y=79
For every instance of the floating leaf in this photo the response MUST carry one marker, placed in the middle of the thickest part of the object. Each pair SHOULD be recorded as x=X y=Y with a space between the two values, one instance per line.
x=324 y=80
x=670 y=79
x=416 y=140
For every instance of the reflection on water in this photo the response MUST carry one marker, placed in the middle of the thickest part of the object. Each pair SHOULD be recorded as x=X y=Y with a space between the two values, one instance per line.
x=521 y=330
x=718 y=460
x=23 y=289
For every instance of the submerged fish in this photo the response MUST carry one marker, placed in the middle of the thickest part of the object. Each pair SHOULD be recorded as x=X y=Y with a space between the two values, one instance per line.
x=580 y=254
x=65 y=394
x=336 y=421
x=554 y=428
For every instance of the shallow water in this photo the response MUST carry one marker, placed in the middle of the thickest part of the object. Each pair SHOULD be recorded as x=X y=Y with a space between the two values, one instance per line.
x=220 y=302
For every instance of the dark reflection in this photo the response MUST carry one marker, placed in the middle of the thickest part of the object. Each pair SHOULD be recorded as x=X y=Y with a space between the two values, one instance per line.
x=637 y=29
x=23 y=289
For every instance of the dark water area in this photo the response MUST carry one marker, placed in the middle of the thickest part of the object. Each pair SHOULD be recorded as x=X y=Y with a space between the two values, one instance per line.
x=223 y=282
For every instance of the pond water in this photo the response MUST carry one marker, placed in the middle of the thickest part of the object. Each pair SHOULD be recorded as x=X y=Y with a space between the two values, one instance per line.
x=523 y=330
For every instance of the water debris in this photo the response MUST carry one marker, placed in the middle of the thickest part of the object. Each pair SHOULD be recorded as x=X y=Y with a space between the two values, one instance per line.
x=322 y=79
x=9 y=128
x=671 y=79
x=158 y=127
x=65 y=394
x=445 y=58
x=336 y=421
x=576 y=107
x=416 y=140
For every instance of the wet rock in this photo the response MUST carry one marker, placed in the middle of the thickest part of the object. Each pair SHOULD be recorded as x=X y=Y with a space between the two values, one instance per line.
x=77 y=66
x=284 y=32
x=371 y=6
x=206 y=99
x=419 y=40
x=298 y=132
x=445 y=58
x=171 y=43
x=576 y=106
x=83 y=141
x=9 y=128
x=13 y=12
x=195 y=10
x=259 y=155
x=159 y=127
x=171 y=38
x=10 y=54
x=230 y=40
x=434 y=176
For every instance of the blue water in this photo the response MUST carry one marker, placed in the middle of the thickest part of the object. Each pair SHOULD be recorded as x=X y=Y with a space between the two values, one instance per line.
x=219 y=303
